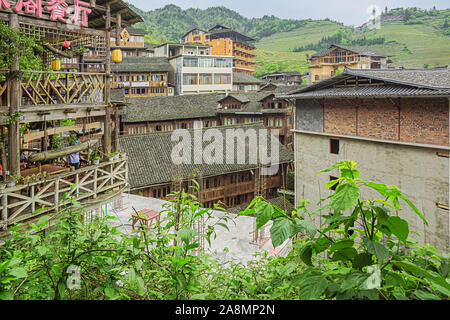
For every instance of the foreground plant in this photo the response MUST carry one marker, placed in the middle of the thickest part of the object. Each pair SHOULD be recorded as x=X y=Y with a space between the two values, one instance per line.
x=364 y=252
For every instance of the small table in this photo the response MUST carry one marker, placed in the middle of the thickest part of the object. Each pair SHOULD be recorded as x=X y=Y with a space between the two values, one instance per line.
x=145 y=216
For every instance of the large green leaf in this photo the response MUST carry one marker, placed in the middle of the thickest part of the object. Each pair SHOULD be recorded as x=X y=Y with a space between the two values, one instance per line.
x=337 y=246
x=264 y=213
x=398 y=227
x=305 y=225
x=306 y=254
x=313 y=287
x=423 y=295
x=18 y=272
x=362 y=260
x=374 y=280
x=345 y=197
x=377 y=249
x=352 y=280
x=281 y=230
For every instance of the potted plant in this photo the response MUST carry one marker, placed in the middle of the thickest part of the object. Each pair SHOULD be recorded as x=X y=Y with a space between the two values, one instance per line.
x=116 y=155
x=123 y=155
x=96 y=160
x=111 y=157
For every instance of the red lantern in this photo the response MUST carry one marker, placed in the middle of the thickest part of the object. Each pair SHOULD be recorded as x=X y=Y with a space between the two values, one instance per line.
x=66 y=44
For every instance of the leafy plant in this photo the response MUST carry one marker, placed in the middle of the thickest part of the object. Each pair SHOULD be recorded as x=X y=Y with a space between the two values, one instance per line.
x=364 y=250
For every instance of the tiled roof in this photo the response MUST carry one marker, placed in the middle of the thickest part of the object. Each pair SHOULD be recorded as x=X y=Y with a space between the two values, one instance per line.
x=170 y=108
x=143 y=64
x=364 y=51
x=150 y=158
x=397 y=83
x=243 y=77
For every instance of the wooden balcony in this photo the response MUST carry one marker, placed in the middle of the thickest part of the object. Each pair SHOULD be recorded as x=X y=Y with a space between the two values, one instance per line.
x=90 y=185
x=57 y=95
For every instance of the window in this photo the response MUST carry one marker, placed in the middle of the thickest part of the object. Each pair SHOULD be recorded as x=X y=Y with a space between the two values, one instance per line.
x=190 y=62
x=222 y=63
x=205 y=78
x=334 y=146
x=222 y=79
x=335 y=186
x=205 y=63
x=190 y=79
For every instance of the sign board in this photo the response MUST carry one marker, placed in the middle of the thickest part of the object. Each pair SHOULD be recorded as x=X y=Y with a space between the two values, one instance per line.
x=58 y=10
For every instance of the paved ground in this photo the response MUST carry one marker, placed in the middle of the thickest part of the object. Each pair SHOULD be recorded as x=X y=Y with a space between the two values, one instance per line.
x=237 y=240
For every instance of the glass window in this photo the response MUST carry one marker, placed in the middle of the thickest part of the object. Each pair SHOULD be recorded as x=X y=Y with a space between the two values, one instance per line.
x=205 y=63
x=190 y=62
x=205 y=78
x=190 y=79
x=222 y=63
x=222 y=78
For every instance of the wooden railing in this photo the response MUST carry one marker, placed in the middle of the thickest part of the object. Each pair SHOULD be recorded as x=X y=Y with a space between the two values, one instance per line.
x=54 y=88
x=89 y=184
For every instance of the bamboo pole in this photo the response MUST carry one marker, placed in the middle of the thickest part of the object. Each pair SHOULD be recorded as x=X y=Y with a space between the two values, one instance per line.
x=54 y=154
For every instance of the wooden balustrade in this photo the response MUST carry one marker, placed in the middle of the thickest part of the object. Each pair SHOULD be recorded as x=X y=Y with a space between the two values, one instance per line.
x=57 y=88
x=91 y=184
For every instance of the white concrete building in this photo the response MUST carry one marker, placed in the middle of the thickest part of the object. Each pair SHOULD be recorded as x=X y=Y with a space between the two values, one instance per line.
x=196 y=71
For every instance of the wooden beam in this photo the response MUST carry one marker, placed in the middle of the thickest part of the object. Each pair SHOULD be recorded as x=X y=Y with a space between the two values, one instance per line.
x=37 y=135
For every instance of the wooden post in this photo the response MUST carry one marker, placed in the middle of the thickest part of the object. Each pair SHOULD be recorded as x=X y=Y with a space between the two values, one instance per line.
x=5 y=210
x=14 y=100
x=3 y=155
x=118 y=29
x=116 y=129
x=107 y=133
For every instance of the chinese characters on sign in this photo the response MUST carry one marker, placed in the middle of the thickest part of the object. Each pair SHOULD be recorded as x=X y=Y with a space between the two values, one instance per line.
x=59 y=10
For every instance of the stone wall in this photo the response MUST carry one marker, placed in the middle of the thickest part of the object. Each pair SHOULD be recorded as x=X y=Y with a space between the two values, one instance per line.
x=419 y=172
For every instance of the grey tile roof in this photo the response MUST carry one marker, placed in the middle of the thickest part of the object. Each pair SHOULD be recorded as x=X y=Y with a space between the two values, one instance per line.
x=252 y=102
x=171 y=108
x=143 y=64
x=150 y=158
x=364 y=51
x=397 y=83
x=243 y=77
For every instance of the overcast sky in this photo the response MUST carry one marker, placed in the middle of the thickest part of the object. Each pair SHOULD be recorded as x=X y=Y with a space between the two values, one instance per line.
x=351 y=12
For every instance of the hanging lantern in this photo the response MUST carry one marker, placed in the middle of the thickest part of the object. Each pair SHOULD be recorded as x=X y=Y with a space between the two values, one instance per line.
x=66 y=44
x=56 y=65
x=117 y=56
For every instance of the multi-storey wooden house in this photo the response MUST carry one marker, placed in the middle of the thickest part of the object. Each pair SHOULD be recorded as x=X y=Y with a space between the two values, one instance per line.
x=35 y=102
x=132 y=43
x=328 y=62
x=394 y=124
x=227 y=42
x=142 y=77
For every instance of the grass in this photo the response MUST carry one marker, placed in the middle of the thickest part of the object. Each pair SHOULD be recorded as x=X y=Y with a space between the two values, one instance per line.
x=410 y=45
x=312 y=32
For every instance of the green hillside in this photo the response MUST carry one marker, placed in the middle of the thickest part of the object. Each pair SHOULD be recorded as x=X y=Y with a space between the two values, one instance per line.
x=413 y=37
x=422 y=39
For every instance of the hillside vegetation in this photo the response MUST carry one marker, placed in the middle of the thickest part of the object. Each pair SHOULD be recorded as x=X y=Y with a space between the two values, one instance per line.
x=414 y=38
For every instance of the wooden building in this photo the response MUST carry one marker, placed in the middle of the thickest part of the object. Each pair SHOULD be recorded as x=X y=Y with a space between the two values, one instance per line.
x=132 y=43
x=142 y=77
x=331 y=61
x=33 y=104
x=146 y=115
x=238 y=108
x=290 y=77
x=154 y=174
x=227 y=42
x=244 y=82
x=395 y=125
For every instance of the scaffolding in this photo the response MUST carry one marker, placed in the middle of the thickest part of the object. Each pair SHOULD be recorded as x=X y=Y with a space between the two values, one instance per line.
x=258 y=236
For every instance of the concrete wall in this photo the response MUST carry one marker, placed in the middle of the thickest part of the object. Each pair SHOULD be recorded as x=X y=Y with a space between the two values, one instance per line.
x=418 y=171
x=309 y=115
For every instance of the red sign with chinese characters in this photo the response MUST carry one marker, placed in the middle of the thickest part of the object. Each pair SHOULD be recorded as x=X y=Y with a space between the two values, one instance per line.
x=58 y=10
